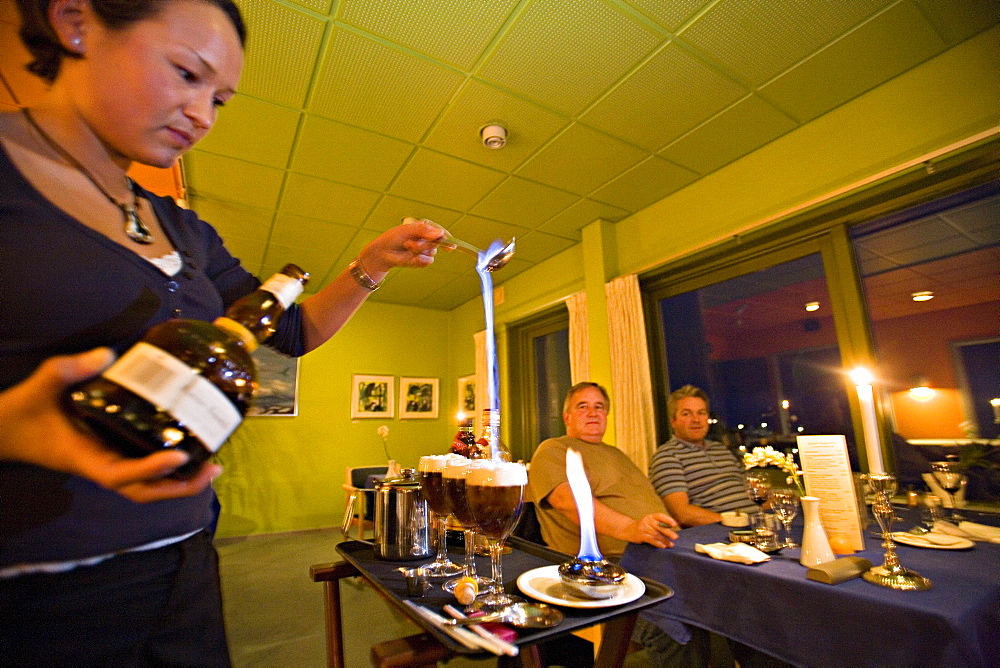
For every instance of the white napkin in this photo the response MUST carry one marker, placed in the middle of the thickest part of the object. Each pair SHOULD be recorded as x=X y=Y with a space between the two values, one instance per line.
x=741 y=553
x=970 y=530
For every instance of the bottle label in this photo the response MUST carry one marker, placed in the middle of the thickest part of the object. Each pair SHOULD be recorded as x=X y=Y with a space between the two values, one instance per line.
x=285 y=288
x=173 y=386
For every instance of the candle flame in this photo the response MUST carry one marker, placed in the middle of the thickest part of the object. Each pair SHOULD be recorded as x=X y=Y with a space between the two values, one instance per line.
x=580 y=486
x=862 y=376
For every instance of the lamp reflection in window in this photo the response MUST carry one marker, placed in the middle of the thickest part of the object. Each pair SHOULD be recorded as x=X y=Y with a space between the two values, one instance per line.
x=921 y=391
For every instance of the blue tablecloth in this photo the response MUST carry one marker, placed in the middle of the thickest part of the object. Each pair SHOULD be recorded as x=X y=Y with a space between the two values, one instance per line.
x=774 y=608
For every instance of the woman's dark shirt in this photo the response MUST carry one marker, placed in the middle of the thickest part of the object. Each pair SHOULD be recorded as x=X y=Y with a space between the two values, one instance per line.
x=65 y=288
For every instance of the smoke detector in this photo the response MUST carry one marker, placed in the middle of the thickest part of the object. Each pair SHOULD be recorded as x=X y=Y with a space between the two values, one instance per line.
x=494 y=136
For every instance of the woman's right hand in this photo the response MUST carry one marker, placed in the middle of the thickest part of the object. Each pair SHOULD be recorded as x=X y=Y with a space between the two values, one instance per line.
x=34 y=429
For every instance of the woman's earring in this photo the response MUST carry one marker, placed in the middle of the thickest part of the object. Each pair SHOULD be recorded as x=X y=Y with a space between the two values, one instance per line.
x=76 y=42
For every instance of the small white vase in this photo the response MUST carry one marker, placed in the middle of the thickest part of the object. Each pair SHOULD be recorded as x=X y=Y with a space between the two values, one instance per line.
x=815 y=546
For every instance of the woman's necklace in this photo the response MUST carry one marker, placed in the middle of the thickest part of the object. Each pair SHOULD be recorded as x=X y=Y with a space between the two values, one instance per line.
x=134 y=227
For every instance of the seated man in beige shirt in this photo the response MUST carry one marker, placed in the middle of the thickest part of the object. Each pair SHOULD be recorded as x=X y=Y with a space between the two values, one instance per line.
x=626 y=507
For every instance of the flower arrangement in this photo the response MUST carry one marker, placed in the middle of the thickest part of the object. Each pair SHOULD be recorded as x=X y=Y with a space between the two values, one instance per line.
x=383 y=431
x=768 y=456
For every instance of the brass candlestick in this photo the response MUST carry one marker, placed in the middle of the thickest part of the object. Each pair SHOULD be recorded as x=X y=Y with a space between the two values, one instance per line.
x=890 y=574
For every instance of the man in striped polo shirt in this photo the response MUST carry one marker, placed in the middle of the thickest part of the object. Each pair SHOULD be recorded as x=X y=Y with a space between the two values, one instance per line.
x=697 y=479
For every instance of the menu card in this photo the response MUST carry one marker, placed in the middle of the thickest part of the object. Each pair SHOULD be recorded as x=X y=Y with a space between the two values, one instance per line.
x=827 y=472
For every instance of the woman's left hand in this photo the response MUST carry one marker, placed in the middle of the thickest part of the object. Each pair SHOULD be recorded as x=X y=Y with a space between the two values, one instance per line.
x=411 y=244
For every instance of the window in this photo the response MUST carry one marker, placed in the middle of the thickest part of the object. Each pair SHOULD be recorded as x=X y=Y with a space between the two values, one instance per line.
x=764 y=347
x=539 y=377
x=931 y=277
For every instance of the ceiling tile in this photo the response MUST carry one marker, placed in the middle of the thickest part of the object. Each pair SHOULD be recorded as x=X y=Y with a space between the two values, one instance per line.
x=318 y=198
x=526 y=202
x=528 y=125
x=281 y=51
x=244 y=229
x=409 y=286
x=758 y=39
x=316 y=260
x=481 y=232
x=585 y=211
x=299 y=231
x=454 y=294
x=885 y=46
x=651 y=180
x=580 y=160
x=453 y=31
x=743 y=127
x=371 y=85
x=956 y=20
x=671 y=15
x=218 y=176
x=321 y=6
x=564 y=53
x=237 y=133
x=452 y=183
x=347 y=154
x=537 y=246
x=390 y=211
x=670 y=94
x=351 y=251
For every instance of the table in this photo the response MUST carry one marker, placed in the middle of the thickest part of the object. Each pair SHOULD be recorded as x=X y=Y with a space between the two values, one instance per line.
x=359 y=560
x=774 y=608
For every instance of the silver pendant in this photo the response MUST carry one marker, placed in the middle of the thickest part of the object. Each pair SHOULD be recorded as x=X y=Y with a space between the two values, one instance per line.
x=134 y=227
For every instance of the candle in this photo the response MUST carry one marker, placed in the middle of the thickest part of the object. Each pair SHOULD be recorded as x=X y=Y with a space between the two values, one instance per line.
x=866 y=397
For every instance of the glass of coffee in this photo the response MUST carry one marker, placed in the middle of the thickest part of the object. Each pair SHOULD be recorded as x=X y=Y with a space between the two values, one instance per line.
x=432 y=486
x=495 y=493
x=454 y=478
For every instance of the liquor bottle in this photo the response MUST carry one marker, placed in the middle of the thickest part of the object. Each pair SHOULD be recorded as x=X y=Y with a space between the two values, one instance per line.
x=188 y=383
x=465 y=440
x=490 y=438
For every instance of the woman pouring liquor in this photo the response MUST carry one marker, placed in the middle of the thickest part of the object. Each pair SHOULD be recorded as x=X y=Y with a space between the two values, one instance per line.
x=89 y=572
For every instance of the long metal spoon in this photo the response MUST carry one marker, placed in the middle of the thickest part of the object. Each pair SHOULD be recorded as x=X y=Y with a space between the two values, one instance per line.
x=525 y=615
x=499 y=259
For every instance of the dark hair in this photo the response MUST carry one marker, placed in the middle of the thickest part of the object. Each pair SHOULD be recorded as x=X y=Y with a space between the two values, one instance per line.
x=42 y=41
x=567 y=403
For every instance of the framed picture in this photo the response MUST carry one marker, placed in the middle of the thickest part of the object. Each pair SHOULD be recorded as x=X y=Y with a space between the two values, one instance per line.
x=373 y=396
x=467 y=395
x=278 y=384
x=418 y=398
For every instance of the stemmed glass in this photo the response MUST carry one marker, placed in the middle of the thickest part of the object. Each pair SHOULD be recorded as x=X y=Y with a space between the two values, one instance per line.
x=454 y=476
x=758 y=486
x=949 y=476
x=496 y=497
x=432 y=485
x=785 y=504
x=890 y=574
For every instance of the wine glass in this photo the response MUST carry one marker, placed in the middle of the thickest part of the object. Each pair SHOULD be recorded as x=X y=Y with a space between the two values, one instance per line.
x=454 y=477
x=785 y=504
x=432 y=485
x=496 y=498
x=949 y=476
x=758 y=485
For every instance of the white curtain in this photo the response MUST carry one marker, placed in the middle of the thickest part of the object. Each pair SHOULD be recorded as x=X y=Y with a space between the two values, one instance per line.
x=579 y=338
x=632 y=387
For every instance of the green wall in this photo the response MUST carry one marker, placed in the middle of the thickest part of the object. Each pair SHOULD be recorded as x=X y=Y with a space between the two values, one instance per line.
x=285 y=473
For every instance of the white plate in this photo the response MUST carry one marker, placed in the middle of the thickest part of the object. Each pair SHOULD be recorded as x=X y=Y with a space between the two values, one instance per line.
x=953 y=542
x=545 y=585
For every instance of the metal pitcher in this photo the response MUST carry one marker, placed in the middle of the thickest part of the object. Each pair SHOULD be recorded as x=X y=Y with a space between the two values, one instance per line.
x=402 y=526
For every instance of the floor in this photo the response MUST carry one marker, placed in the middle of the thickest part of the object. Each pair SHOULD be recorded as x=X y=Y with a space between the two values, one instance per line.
x=274 y=611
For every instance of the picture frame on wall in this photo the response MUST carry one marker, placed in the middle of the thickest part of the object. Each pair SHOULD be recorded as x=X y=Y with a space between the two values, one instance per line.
x=467 y=395
x=418 y=398
x=373 y=396
x=277 y=384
